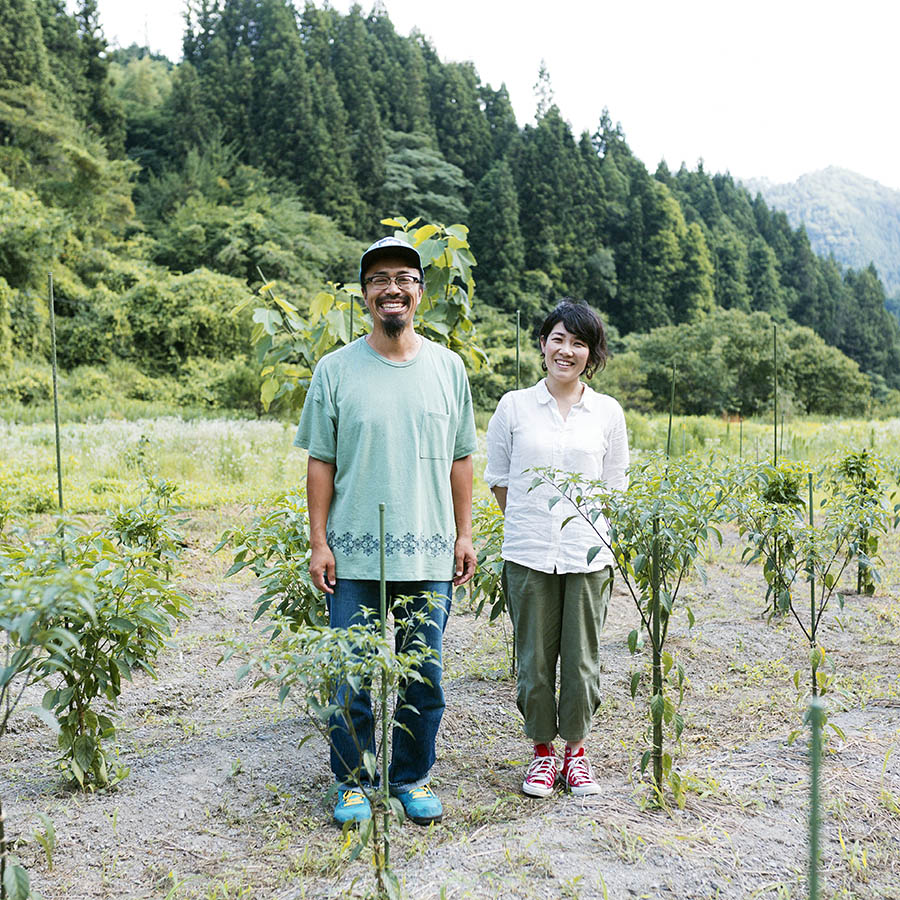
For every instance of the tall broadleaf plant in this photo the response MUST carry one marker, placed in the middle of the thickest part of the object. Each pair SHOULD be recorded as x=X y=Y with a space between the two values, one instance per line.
x=290 y=341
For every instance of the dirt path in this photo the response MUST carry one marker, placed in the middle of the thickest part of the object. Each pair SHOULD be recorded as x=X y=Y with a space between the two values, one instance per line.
x=220 y=802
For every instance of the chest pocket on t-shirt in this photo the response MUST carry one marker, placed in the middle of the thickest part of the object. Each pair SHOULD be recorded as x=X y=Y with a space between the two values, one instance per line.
x=433 y=434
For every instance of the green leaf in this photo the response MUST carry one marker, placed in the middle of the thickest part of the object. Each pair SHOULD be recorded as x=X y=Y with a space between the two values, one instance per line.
x=118 y=623
x=16 y=883
x=47 y=717
x=83 y=751
x=657 y=708
x=267 y=392
x=635 y=681
x=592 y=553
x=645 y=759
x=460 y=232
x=633 y=641
x=423 y=233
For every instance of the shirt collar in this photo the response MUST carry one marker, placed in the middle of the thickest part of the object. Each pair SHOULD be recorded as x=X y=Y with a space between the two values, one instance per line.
x=544 y=396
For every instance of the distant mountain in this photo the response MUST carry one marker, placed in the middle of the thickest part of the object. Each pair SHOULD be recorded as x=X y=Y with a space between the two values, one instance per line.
x=853 y=217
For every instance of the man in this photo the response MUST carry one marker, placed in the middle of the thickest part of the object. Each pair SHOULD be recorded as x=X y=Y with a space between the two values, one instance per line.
x=388 y=418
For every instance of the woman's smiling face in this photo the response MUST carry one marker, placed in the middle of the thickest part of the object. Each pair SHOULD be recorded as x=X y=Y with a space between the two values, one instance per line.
x=565 y=354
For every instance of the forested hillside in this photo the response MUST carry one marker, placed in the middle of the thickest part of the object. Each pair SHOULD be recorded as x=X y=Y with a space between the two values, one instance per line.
x=155 y=192
x=845 y=214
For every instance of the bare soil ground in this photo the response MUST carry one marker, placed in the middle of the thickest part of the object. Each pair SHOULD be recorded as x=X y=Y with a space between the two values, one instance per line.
x=221 y=802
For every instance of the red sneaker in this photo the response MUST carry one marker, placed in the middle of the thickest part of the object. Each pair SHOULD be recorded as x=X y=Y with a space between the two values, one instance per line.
x=540 y=778
x=577 y=774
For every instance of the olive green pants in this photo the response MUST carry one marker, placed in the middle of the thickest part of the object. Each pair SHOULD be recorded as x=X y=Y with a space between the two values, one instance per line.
x=557 y=618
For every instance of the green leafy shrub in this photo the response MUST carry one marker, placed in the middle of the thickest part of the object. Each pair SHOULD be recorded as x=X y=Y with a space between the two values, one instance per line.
x=26 y=383
x=24 y=491
x=797 y=550
x=35 y=610
x=859 y=479
x=219 y=383
x=176 y=317
x=275 y=547
x=5 y=331
x=126 y=564
x=486 y=585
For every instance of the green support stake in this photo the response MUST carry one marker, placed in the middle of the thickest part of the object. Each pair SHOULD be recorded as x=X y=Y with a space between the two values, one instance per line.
x=812 y=583
x=656 y=665
x=52 y=304
x=775 y=394
x=671 y=412
x=518 y=379
x=816 y=717
x=518 y=327
x=741 y=439
x=384 y=698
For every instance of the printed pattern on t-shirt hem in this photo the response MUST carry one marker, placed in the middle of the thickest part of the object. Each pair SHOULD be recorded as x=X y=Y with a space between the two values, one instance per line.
x=347 y=544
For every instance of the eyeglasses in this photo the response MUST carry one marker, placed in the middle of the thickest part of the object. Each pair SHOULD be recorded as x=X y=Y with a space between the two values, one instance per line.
x=402 y=281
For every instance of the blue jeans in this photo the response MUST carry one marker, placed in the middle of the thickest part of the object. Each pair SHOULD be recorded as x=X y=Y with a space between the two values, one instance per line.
x=412 y=753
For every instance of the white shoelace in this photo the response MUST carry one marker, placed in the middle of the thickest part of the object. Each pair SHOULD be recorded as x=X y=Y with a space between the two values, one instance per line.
x=543 y=768
x=581 y=769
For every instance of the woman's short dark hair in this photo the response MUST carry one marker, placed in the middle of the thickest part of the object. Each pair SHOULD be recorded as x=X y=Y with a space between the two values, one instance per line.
x=580 y=319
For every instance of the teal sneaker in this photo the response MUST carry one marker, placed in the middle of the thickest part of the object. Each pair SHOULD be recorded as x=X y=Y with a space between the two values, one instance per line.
x=352 y=806
x=421 y=805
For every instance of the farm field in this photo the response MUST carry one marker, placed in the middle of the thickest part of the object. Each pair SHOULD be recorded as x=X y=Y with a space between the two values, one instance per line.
x=221 y=801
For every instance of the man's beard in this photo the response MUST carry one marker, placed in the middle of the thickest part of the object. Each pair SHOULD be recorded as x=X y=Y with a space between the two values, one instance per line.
x=393 y=325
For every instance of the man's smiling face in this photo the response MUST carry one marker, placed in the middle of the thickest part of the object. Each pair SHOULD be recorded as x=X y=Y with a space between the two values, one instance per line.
x=392 y=305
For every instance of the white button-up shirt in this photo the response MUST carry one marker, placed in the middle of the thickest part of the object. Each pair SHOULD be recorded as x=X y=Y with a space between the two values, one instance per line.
x=527 y=431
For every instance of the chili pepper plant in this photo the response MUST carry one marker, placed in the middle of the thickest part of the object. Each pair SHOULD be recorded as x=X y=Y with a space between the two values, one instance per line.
x=486 y=584
x=321 y=669
x=127 y=560
x=275 y=547
x=658 y=527
x=816 y=554
x=33 y=610
x=860 y=479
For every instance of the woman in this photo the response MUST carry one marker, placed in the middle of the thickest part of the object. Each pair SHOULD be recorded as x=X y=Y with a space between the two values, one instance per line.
x=557 y=600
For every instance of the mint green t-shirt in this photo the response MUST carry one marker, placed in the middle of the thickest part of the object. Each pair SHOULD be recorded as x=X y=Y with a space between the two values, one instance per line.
x=392 y=429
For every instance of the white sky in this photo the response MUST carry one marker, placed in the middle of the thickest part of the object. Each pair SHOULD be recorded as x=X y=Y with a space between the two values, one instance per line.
x=773 y=88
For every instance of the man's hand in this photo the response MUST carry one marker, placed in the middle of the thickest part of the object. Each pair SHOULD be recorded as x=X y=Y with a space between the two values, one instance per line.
x=461 y=490
x=319 y=493
x=321 y=568
x=464 y=559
